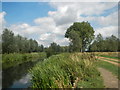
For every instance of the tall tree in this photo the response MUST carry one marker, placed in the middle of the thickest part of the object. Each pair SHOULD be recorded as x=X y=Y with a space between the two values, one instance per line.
x=84 y=33
x=7 y=41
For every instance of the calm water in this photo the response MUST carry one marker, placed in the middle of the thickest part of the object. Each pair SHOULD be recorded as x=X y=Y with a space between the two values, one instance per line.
x=18 y=76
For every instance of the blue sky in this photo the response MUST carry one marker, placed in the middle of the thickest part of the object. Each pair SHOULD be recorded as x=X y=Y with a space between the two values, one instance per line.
x=19 y=12
x=48 y=21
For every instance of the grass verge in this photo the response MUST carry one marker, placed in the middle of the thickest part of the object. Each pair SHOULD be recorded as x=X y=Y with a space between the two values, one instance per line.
x=111 y=67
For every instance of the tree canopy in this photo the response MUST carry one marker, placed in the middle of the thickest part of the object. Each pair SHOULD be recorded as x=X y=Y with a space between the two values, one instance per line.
x=80 y=34
x=100 y=44
x=12 y=43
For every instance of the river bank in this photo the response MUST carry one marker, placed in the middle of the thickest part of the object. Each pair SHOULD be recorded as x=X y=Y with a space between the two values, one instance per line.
x=14 y=59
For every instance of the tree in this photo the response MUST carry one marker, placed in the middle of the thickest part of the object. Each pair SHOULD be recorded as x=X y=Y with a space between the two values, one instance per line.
x=84 y=35
x=18 y=44
x=112 y=43
x=53 y=49
x=75 y=44
x=103 y=45
x=7 y=41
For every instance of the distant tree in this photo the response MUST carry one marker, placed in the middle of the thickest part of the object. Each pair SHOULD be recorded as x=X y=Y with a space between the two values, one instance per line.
x=18 y=44
x=112 y=43
x=84 y=35
x=53 y=49
x=41 y=48
x=7 y=41
x=104 y=45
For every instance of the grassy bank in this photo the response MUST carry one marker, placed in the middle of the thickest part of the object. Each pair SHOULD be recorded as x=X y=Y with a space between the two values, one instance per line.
x=65 y=71
x=9 y=60
x=111 y=67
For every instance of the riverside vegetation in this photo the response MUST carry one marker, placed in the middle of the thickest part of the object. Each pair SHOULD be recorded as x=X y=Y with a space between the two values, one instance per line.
x=67 y=70
x=13 y=59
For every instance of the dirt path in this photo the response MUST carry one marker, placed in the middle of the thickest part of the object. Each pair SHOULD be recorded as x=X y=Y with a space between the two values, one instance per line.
x=110 y=81
x=108 y=60
x=115 y=63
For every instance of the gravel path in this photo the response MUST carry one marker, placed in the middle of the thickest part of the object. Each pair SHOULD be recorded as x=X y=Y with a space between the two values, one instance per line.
x=110 y=81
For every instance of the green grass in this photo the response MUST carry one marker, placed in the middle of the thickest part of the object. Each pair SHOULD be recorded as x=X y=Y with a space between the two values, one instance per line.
x=110 y=57
x=112 y=60
x=13 y=59
x=61 y=71
x=91 y=82
x=111 y=67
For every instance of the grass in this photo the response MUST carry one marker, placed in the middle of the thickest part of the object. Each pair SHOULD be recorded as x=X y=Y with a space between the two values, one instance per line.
x=13 y=59
x=111 y=67
x=110 y=57
x=112 y=60
x=66 y=71
x=113 y=55
x=92 y=82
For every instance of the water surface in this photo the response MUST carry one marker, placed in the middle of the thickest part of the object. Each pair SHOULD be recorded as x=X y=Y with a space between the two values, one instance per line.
x=18 y=76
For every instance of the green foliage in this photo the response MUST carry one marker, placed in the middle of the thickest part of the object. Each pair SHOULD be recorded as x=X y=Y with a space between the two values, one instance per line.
x=54 y=49
x=80 y=34
x=107 y=44
x=10 y=60
x=61 y=71
x=18 y=44
x=92 y=82
x=8 y=41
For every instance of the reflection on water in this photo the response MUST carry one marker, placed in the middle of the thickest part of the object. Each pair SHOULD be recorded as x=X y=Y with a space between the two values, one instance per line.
x=23 y=82
x=17 y=77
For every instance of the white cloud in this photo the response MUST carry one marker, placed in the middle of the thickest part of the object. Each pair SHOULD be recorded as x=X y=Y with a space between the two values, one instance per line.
x=2 y=20
x=107 y=31
x=89 y=8
x=45 y=36
x=109 y=20
x=44 y=20
x=53 y=27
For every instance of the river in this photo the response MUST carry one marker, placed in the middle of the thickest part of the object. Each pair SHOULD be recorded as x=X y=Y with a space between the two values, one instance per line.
x=18 y=76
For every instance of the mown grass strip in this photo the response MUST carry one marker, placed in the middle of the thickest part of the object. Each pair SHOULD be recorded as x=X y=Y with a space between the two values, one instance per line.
x=111 y=67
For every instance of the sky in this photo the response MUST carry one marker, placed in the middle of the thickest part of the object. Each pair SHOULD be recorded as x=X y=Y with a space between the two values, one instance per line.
x=47 y=22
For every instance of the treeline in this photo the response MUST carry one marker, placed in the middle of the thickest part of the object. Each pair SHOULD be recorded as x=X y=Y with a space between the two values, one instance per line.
x=80 y=35
x=82 y=38
x=18 y=44
x=54 y=48
x=109 y=44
